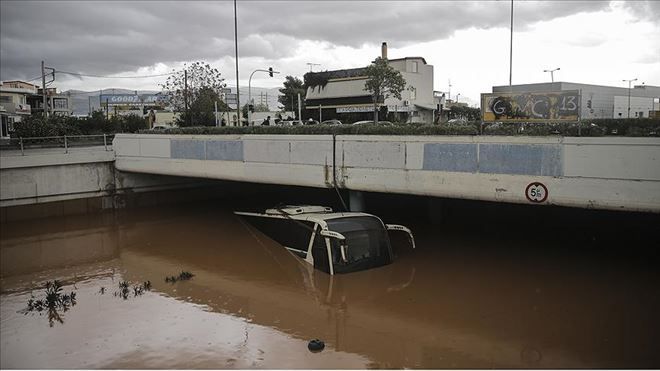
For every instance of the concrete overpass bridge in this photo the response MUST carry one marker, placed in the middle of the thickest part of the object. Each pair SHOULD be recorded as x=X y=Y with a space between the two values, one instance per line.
x=600 y=173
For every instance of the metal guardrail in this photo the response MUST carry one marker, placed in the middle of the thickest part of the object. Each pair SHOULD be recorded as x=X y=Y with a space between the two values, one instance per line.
x=66 y=142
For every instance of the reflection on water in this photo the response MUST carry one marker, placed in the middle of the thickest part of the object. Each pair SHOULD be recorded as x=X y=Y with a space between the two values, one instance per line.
x=459 y=300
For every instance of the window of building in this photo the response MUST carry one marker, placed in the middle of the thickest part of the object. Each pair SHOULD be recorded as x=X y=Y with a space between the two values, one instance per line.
x=413 y=67
x=60 y=103
x=5 y=99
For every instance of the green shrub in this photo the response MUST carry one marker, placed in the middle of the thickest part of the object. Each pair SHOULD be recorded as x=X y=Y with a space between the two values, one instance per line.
x=37 y=126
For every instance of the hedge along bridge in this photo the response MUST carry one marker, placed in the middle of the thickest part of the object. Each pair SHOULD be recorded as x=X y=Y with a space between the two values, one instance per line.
x=600 y=173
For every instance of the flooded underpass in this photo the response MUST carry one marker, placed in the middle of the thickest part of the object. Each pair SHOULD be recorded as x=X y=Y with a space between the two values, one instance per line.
x=488 y=286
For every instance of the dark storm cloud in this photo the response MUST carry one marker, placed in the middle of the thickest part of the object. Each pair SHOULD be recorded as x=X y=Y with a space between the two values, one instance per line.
x=647 y=10
x=110 y=37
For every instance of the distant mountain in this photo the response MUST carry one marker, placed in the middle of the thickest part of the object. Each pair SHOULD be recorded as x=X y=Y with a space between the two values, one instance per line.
x=84 y=101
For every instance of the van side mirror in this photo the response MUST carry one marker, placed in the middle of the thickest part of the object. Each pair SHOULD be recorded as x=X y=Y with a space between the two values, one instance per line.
x=396 y=227
x=343 y=247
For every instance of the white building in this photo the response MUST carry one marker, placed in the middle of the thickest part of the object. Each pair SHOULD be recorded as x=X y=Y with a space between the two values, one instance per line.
x=340 y=94
x=14 y=96
x=599 y=101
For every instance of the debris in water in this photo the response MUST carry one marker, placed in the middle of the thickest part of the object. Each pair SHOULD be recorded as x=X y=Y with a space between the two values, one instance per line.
x=315 y=345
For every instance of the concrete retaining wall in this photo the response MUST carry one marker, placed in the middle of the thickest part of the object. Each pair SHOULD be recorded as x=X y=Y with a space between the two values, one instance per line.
x=86 y=179
x=604 y=173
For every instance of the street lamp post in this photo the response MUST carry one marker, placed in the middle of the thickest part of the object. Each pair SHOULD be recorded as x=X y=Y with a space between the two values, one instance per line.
x=238 y=90
x=629 y=81
x=270 y=72
x=552 y=73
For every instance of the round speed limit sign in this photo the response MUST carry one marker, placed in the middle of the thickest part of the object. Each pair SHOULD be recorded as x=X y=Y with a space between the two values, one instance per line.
x=536 y=192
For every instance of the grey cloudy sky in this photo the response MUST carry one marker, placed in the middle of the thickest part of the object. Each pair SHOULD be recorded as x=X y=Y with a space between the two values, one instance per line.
x=115 y=37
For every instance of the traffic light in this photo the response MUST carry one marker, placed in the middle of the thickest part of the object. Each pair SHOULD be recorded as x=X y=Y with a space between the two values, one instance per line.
x=589 y=103
x=270 y=71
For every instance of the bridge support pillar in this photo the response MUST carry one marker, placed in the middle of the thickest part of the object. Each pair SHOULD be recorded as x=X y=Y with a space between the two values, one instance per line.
x=436 y=210
x=356 y=201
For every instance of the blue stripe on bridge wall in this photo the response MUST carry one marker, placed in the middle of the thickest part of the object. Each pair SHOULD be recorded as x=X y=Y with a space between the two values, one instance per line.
x=521 y=159
x=450 y=157
x=514 y=159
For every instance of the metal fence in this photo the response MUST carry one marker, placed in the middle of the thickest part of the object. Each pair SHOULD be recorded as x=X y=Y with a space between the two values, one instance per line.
x=65 y=142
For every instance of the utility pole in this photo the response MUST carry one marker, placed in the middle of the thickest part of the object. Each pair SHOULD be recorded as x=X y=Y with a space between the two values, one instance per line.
x=449 y=92
x=215 y=104
x=299 y=117
x=511 y=49
x=629 y=81
x=238 y=89
x=43 y=85
x=185 y=95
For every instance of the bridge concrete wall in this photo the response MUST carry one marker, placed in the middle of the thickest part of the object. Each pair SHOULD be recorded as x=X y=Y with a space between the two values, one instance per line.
x=45 y=177
x=619 y=173
x=603 y=173
x=275 y=159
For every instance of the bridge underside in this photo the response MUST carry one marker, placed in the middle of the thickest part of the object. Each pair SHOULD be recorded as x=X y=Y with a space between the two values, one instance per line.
x=599 y=173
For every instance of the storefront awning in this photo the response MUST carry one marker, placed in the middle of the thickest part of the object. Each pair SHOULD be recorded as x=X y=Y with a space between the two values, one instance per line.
x=426 y=107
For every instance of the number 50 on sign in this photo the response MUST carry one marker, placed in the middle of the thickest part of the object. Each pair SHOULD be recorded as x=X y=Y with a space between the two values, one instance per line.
x=536 y=192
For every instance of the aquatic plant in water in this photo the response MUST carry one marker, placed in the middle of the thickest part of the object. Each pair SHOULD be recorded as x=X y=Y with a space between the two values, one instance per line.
x=125 y=289
x=183 y=276
x=55 y=300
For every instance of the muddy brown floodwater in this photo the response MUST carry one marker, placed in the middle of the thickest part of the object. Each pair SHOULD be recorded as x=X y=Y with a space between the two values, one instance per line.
x=460 y=300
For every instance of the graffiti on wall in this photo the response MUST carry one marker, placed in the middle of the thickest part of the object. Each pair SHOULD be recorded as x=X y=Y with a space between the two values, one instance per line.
x=528 y=106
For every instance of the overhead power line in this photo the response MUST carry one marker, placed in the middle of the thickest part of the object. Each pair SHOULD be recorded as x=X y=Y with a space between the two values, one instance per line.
x=115 y=77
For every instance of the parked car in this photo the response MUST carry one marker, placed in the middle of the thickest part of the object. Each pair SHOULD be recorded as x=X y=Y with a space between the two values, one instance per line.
x=457 y=122
x=290 y=123
x=371 y=123
x=311 y=122
x=331 y=122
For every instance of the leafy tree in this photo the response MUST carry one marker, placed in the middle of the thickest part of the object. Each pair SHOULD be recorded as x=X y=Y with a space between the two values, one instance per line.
x=468 y=113
x=244 y=110
x=289 y=98
x=383 y=81
x=204 y=84
x=131 y=123
x=202 y=110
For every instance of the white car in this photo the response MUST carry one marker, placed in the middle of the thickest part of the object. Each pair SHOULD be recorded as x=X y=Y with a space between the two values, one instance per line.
x=371 y=123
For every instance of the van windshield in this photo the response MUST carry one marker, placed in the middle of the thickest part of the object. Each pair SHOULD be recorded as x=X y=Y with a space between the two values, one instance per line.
x=367 y=241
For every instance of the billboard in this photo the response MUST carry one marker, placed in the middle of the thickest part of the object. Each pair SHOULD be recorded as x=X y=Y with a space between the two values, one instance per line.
x=531 y=106
x=132 y=99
